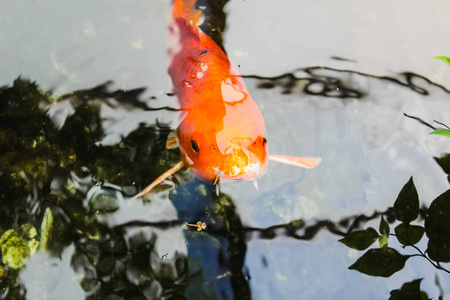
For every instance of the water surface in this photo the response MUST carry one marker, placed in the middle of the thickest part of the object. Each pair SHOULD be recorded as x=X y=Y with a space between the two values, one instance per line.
x=348 y=114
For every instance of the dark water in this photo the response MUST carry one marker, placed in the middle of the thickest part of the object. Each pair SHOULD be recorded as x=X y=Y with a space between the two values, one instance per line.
x=71 y=161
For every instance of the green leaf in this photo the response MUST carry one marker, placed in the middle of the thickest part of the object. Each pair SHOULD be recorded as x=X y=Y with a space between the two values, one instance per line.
x=360 y=239
x=409 y=291
x=384 y=226
x=444 y=132
x=437 y=220
x=383 y=241
x=384 y=230
x=438 y=251
x=437 y=228
x=409 y=234
x=443 y=58
x=380 y=262
x=406 y=207
x=444 y=163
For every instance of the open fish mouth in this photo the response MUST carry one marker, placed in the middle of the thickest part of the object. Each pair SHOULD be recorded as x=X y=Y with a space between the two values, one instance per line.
x=239 y=168
x=246 y=172
x=241 y=164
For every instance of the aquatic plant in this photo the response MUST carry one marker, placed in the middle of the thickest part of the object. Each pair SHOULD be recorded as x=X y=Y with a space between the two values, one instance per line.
x=16 y=247
x=410 y=290
x=443 y=58
x=384 y=261
x=441 y=131
x=46 y=175
x=46 y=171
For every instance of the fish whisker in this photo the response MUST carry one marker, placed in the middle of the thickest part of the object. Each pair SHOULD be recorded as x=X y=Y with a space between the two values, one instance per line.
x=255 y=184
x=217 y=178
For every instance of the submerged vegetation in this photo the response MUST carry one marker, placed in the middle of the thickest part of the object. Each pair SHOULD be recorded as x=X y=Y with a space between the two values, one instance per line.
x=58 y=185
x=56 y=181
x=61 y=179
x=17 y=247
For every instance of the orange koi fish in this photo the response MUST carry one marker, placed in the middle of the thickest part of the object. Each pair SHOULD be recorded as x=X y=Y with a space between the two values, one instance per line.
x=222 y=135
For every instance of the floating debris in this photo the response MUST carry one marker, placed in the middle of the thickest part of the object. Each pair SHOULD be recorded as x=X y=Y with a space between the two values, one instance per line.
x=200 y=225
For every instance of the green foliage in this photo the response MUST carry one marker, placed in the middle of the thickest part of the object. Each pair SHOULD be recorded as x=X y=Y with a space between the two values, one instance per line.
x=444 y=163
x=406 y=207
x=443 y=58
x=384 y=226
x=360 y=239
x=437 y=228
x=384 y=230
x=380 y=262
x=383 y=241
x=409 y=234
x=437 y=251
x=440 y=131
x=409 y=291
x=444 y=132
x=385 y=261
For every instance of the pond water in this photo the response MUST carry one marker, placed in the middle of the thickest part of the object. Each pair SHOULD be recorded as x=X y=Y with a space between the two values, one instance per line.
x=332 y=80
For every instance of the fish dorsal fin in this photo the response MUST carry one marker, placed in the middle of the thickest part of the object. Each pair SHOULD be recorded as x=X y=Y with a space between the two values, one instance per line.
x=303 y=162
x=172 y=141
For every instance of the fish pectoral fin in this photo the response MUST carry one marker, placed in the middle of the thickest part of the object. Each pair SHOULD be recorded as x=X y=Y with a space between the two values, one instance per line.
x=172 y=142
x=303 y=162
x=160 y=179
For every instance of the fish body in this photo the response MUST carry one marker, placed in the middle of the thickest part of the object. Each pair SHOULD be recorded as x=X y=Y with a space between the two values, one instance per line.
x=222 y=135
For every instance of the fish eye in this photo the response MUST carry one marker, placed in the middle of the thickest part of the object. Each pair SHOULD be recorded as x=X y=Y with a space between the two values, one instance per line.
x=264 y=141
x=194 y=146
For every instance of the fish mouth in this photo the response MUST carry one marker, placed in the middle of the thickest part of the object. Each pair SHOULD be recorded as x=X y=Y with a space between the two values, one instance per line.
x=239 y=164
x=250 y=172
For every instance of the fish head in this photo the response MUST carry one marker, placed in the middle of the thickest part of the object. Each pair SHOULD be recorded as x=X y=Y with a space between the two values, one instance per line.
x=223 y=153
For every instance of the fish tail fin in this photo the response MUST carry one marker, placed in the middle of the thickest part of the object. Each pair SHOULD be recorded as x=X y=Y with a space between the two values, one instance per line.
x=185 y=9
x=303 y=162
